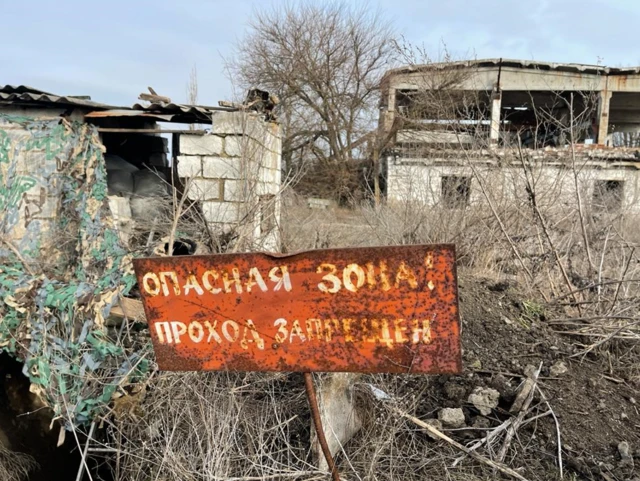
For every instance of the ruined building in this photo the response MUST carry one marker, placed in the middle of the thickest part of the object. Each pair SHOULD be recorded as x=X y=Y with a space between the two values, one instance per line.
x=455 y=121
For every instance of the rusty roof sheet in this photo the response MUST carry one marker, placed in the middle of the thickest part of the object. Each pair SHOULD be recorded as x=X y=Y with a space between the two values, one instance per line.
x=524 y=64
x=26 y=94
x=102 y=114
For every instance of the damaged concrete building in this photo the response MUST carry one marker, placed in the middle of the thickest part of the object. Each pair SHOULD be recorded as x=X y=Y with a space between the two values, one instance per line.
x=227 y=169
x=453 y=122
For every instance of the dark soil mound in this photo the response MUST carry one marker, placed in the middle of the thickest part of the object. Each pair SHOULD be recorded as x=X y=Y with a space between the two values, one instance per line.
x=594 y=401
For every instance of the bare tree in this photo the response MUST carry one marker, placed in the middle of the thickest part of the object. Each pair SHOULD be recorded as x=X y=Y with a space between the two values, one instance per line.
x=325 y=62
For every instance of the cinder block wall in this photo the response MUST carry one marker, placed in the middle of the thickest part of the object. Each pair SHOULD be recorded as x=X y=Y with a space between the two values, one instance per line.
x=555 y=184
x=234 y=172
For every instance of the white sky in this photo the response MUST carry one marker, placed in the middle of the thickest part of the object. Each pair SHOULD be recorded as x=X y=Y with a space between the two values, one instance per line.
x=112 y=50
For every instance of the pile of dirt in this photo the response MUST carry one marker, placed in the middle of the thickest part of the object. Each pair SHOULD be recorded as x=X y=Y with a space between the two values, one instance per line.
x=505 y=336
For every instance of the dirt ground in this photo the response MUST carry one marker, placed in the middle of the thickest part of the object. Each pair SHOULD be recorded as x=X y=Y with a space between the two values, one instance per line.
x=595 y=401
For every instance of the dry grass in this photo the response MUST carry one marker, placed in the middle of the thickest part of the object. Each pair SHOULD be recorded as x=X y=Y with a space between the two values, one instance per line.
x=15 y=466
x=205 y=426
x=201 y=426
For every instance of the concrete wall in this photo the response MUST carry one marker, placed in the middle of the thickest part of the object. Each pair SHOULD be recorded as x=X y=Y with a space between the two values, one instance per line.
x=235 y=172
x=555 y=185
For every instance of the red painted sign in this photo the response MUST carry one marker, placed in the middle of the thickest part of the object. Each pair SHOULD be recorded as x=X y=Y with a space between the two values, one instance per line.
x=379 y=309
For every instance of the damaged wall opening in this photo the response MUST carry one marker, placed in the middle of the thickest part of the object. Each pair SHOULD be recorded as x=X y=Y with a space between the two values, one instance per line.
x=138 y=175
x=456 y=191
x=608 y=195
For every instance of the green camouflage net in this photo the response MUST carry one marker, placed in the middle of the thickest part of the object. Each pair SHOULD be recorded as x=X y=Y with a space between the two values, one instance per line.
x=62 y=268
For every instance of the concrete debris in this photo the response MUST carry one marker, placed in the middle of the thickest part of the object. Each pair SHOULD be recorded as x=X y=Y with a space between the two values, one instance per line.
x=451 y=417
x=484 y=399
x=558 y=369
x=625 y=454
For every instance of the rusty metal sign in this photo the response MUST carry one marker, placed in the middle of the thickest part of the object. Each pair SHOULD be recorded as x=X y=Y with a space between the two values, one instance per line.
x=382 y=309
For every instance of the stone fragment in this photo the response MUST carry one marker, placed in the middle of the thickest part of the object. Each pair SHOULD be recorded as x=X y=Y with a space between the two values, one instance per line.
x=558 y=369
x=484 y=399
x=451 y=417
x=625 y=454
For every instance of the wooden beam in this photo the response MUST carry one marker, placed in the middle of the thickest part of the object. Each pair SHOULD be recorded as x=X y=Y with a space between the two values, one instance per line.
x=150 y=131
x=154 y=98
x=130 y=308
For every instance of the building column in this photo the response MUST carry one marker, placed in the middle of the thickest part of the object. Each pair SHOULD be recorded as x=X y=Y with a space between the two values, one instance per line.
x=604 y=100
x=390 y=113
x=496 y=105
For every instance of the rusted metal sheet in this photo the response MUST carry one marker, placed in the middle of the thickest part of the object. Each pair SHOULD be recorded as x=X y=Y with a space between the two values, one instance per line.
x=384 y=309
x=100 y=114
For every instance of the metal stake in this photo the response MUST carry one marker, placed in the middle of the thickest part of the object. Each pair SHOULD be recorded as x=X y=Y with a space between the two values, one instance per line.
x=317 y=422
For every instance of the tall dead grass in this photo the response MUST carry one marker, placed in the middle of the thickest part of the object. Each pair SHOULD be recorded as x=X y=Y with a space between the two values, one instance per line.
x=204 y=426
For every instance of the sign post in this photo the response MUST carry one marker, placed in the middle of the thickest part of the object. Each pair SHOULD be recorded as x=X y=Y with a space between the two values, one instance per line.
x=378 y=309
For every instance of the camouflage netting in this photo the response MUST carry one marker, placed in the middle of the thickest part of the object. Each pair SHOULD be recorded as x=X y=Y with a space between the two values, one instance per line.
x=61 y=271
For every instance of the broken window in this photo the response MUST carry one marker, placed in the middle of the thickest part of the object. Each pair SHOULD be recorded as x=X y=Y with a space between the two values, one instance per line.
x=607 y=195
x=267 y=213
x=455 y=191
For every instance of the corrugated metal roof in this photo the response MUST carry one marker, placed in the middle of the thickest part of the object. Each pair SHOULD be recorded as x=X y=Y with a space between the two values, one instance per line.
x=182 y=109
x=22 y=94
x=525 y=64
x=21 y=89
x=26 y=94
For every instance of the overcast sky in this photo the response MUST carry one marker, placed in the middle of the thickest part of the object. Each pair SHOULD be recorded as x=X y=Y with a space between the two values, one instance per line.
x=112 y=50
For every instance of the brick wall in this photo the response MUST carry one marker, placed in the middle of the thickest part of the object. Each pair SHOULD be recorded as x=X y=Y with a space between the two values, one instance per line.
x=235 y=173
